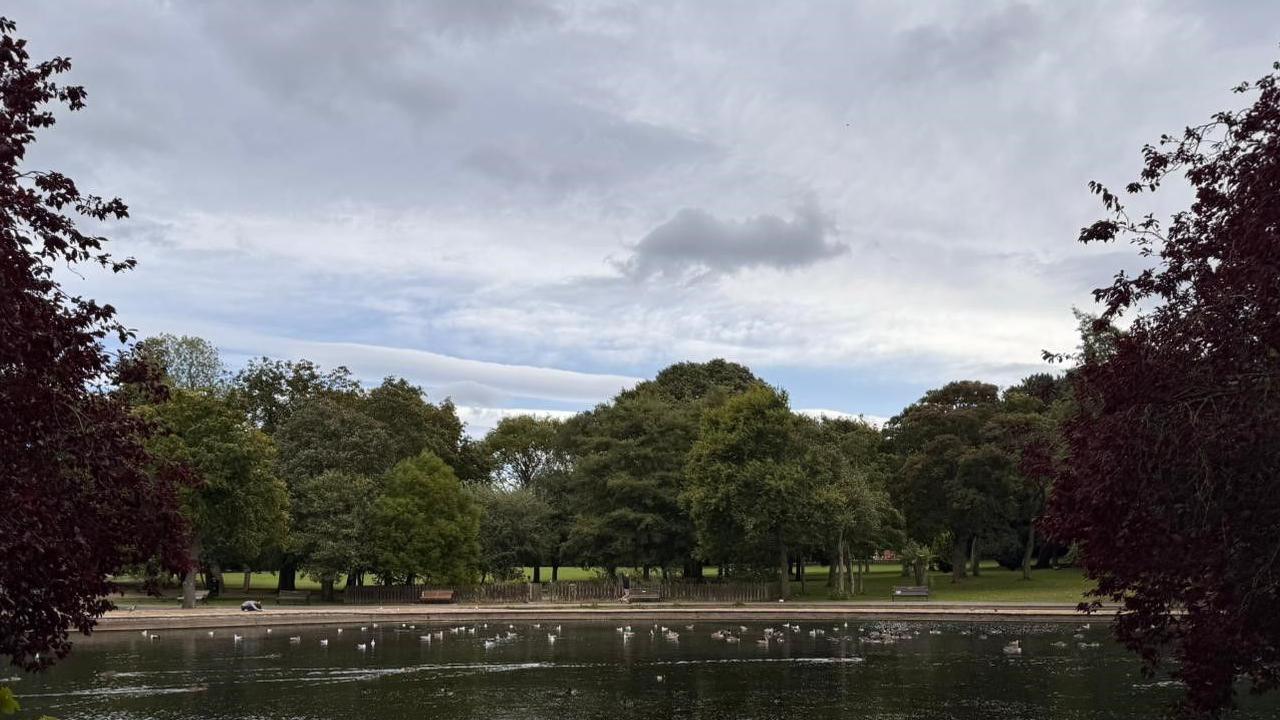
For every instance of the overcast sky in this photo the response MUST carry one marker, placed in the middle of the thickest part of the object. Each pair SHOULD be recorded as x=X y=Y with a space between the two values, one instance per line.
x=528 y=205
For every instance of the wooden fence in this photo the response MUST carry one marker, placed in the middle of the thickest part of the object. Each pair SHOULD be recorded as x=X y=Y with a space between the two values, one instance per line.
x=576 y=592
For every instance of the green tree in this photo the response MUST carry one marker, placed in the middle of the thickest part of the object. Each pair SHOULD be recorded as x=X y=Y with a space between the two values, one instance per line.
x=416 y=425
x=333 y=433
x=512 y=530
x=952 y=485
x=328 y=432
x=187 y=362
x=629 y=462
x=331 y=524
x=240 y=507
x=270 y=390
x=748 y=493
x=628 y=473
x=523 y=450
x=843 y=460
x=424 y=525
x=1027 y=429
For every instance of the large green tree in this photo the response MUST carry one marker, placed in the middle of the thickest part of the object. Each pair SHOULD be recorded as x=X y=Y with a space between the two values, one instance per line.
x=416 y=425
x=629 y=467
x=425 y=526
x=333 y=433
x=854 y=516
x=270 y=390
x=952 y=486
x=748 y=493
x=523 y=450
x=512 y=530
x=331 y=525
x=239 y=509
x=628 y=474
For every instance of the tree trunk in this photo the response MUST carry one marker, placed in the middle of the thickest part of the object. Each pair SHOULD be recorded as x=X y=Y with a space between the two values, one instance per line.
x=800 y=573
x=835 y=572
x=288 y=575
x=555 y=570
x=918 y=567
x=537 y=572
x=959 y=559
x=973 y=555
x=1029 y=551
x=859 y=589
x=645 y=573
x=907 y=567
x=848 y=569
x=326 y=589
x=248 y=579
x=784 y=572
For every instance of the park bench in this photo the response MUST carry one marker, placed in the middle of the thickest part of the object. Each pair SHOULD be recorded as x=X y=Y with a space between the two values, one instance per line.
x=202 y=596
x=298 y=596
x=641 y=595
x=920 y=591
x=436 y=596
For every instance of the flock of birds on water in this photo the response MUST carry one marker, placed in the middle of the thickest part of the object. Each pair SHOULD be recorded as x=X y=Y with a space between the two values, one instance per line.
x=732 y=636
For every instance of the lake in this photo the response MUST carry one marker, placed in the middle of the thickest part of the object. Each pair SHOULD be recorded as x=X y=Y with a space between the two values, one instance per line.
x=820 y=670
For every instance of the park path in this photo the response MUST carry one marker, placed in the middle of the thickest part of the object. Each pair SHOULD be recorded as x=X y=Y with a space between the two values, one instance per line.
x=148 y=618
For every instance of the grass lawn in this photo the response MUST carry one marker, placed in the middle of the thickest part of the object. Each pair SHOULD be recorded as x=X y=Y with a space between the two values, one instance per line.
x=995 y=584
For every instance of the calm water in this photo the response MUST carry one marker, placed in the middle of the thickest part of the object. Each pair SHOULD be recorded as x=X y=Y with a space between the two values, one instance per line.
x=932 y=671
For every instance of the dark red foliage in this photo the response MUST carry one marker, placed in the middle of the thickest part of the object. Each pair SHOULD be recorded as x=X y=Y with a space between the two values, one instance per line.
x=1173 y=487
x=76 y=500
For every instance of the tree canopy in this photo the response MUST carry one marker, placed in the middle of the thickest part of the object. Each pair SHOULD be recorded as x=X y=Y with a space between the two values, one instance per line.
x=1174 y=455
x=78 y=502
x=424 y=525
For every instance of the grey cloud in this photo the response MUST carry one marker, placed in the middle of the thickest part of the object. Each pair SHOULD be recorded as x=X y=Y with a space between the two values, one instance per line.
x=981 y=46
x=333 y=57
x=695 y=243
x=559 y=149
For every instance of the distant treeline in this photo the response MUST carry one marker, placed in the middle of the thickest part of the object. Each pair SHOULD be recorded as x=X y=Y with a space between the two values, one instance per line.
x=296 y=468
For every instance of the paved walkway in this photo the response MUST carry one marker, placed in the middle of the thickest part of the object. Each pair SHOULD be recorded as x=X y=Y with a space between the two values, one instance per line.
x=145 y=618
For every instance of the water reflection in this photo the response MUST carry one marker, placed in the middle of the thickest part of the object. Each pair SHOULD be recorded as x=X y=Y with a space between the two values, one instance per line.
x=710 y=670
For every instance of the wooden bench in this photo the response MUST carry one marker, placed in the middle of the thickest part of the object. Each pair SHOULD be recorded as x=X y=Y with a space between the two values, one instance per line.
x=920 y=591
x=298 y=596
x=641 y=595
x=202 y=596
x=436 y=596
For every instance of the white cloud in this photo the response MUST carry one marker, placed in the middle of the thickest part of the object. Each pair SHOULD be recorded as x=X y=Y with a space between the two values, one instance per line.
x=446 y=190
x=875 y=421
x=480 y=420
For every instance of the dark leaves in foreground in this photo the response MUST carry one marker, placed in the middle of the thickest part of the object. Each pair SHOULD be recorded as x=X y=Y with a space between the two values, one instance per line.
x=77 y=502
x=1174 y=466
